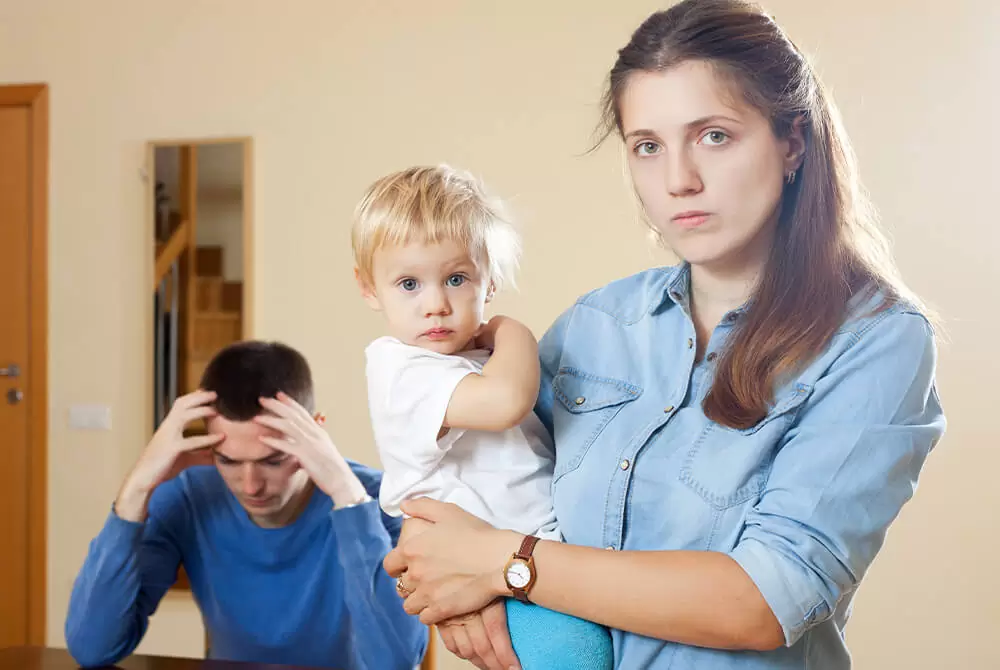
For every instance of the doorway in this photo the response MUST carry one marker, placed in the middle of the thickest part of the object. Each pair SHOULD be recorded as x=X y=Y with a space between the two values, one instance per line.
x=23 y=357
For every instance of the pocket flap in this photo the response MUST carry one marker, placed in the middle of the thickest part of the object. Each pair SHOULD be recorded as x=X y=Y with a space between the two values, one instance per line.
x=581 y=392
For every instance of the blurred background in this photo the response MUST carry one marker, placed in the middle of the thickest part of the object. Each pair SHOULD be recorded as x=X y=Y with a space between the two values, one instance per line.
x=269 y=119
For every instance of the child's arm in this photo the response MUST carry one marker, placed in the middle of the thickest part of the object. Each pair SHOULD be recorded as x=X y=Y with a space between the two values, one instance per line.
x=505 y=392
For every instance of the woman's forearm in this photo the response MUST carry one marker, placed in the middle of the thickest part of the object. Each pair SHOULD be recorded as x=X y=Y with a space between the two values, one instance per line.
x=697 y=598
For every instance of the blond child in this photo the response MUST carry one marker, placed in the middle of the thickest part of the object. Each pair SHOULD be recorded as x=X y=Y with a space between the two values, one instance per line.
x=451 y=398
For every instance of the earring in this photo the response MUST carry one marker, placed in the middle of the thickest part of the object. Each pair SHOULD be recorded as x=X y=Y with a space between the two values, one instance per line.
x=790 y=178
x=320 y=418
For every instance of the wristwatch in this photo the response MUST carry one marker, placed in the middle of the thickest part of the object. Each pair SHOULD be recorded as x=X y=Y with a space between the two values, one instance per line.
x=366 y=498
x=519 y=573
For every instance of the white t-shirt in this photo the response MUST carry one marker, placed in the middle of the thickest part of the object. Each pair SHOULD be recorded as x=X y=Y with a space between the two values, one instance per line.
x=504 y=478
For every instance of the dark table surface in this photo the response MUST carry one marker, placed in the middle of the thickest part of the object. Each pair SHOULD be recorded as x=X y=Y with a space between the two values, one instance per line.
x=37 y=658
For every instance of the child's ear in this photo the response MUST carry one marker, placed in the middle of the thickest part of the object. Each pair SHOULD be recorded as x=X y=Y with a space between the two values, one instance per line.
x=491 y=291
x=367 y=291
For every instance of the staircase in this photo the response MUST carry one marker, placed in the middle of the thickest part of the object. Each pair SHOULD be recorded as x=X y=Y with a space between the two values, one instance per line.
x=218 y=314
x=197 y=312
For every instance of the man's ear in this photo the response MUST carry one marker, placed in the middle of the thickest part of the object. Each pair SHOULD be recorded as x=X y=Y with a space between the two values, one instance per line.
x=367 y=291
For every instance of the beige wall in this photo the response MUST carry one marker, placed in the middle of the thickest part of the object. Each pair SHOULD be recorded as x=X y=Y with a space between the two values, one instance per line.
x=336 y=93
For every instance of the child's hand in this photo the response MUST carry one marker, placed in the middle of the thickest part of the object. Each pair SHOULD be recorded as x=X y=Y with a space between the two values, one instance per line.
x=486 y=337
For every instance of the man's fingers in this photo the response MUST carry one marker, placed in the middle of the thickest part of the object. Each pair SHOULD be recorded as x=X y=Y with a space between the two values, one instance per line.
x=194 y=399
x=284 y=446
x=301 y=412
x=201 y=441
x=280 y=424
x=277 y=407
x=199 y=412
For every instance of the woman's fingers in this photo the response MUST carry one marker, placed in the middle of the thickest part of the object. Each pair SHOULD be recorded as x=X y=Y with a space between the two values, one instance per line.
x=463 y=645
x=394 y=562
x=495 y=622
x=481 y=643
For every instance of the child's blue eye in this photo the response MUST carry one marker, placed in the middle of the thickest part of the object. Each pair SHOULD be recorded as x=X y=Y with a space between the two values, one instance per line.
x=456 y=280
x=408 y=284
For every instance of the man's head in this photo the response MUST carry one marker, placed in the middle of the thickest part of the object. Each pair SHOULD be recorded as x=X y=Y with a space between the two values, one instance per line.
x=265 y=481
x=431 y=247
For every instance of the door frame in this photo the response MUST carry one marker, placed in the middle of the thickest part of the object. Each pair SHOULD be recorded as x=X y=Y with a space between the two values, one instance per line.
x=36 y=98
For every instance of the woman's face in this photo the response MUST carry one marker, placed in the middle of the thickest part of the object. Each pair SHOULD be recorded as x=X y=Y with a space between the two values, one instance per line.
x=706 y=166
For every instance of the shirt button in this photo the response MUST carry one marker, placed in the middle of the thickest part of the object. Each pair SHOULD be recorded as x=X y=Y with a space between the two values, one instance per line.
x=580 y=400
x=624 y=464
x=690 y=343
x=711 y=357
x=668 y=409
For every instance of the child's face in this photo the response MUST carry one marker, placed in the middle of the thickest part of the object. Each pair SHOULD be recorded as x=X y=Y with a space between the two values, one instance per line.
x=433 y=295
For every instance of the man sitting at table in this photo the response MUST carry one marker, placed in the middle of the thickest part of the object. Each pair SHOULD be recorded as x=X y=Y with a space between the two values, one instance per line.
x=281 y=537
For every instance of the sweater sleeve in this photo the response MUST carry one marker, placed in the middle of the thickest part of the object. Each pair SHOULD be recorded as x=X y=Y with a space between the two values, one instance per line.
x=384 y=636
x=128 y=569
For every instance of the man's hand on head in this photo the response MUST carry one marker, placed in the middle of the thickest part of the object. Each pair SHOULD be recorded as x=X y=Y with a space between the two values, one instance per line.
x=301 y=436
x=168 y=454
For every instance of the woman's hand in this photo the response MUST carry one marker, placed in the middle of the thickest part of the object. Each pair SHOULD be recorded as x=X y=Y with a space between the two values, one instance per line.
x=452 y=567
x=481 y=638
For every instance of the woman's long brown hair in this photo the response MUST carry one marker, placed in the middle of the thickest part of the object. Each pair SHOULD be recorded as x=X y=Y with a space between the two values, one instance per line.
x=827 y=249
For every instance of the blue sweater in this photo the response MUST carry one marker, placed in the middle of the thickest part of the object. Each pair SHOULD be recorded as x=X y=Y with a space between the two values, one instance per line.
x=312 y=593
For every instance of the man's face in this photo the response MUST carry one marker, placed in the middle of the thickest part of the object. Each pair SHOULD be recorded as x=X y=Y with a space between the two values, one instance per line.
x=265 y=481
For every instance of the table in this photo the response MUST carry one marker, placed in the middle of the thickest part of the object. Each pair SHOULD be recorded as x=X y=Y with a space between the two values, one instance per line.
x=38 y=658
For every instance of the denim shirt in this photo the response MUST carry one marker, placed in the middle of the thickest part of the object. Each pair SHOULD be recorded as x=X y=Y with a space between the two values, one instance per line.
x=801 y=501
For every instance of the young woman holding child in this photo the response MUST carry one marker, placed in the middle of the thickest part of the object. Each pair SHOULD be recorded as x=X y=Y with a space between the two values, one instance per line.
x=733 y=436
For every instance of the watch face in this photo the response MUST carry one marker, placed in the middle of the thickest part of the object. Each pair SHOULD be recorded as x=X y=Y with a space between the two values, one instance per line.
x=518 y=574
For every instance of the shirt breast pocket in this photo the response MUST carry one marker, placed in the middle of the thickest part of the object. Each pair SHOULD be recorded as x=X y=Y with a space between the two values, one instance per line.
x=584 y=405
x=728 y=466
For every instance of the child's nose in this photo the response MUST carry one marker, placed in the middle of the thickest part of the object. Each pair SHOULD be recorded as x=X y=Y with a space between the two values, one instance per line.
x=436 y=302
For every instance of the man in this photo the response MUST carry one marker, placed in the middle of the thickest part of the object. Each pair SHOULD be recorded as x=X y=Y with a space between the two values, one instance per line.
x=281 y=537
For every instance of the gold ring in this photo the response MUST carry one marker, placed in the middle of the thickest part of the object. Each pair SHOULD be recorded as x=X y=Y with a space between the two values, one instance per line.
x=402 y=590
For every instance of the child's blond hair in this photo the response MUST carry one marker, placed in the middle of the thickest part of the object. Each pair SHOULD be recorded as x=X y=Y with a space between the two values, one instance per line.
x=431 y=204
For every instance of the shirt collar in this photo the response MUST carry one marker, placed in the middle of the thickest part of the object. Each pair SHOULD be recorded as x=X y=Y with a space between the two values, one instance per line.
x=677 y=291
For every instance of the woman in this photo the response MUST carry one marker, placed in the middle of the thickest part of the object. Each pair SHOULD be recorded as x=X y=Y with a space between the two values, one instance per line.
x=739 y=430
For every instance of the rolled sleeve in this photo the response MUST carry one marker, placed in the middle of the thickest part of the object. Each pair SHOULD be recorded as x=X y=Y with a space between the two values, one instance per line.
x=843 y=472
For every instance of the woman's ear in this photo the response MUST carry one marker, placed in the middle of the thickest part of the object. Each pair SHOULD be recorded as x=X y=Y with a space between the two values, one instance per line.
x=796 y=143
x=367 y=291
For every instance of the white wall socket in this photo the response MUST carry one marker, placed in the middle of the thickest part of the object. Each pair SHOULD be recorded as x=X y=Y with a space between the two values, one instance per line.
x=90 y=417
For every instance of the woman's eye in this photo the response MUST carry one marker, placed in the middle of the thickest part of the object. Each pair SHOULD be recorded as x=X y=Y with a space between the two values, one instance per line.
x=408 y=284
x=456 y=280
x=714 y=138
x=646 y=148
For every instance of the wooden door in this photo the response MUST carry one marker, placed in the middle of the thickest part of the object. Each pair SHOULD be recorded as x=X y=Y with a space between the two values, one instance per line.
x=22 y=346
